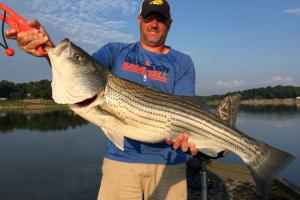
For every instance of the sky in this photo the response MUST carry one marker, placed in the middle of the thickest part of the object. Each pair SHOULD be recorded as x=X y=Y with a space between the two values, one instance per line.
x=235 y=45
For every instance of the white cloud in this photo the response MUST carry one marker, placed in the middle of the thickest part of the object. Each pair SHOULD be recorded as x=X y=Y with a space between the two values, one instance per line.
x=295 y=11
x=88 y=23
x=231 y=84
x=283 y=80
x=91 y=7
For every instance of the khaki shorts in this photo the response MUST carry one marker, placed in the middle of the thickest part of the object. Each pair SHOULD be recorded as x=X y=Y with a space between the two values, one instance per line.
x=138 y=181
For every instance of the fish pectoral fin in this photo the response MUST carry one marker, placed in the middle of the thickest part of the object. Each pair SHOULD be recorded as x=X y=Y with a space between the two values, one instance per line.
x=110 y=124
x=212 y=152
x=115 y=138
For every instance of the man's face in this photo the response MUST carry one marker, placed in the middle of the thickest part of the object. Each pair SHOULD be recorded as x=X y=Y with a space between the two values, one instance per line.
x=154 y=29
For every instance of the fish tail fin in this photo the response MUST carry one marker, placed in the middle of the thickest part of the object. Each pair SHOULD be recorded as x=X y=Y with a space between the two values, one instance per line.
x=265 y=167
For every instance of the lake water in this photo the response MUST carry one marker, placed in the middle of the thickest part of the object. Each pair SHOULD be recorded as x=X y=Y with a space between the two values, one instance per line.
x=57 y=156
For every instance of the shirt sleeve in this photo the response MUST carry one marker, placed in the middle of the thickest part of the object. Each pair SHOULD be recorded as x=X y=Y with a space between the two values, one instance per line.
x=185 y=83
x=106 y=55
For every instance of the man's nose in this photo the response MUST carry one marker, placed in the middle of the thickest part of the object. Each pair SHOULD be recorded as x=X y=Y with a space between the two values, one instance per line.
x=154 y=23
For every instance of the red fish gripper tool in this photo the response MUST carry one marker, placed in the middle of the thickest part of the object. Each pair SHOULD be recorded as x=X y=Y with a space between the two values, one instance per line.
x=17 y=22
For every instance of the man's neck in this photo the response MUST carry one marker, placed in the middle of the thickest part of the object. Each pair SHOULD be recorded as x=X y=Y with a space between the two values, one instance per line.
x=161 y=49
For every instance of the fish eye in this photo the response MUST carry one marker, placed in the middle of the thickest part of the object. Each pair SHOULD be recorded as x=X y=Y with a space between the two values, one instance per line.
x=77 y=56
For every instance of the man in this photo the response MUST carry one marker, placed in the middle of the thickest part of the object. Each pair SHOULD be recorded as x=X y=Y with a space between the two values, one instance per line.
x=142 y=170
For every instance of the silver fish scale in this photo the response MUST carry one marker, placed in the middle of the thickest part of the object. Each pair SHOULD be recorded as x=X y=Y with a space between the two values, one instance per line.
x=168 y=115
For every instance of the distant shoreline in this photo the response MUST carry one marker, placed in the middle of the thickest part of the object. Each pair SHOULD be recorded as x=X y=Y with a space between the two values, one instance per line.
x=263 y=102
x=289 y=101
x=38 y=104
x=30 y=104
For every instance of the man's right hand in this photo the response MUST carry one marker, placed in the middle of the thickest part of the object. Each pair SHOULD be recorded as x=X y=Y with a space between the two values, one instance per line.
x=28 y=41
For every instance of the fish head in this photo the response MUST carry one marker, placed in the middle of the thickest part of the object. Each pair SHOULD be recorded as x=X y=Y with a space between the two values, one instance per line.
x=76 y=76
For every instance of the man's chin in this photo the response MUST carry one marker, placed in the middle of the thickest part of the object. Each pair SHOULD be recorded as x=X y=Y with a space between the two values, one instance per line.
x=154 y=43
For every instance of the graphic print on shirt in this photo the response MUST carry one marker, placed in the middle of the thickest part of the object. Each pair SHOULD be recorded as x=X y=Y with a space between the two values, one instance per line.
x=146 y=69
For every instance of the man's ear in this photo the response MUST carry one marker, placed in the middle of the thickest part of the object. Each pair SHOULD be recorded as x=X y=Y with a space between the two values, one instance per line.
x=170 y=24
x=139 y=19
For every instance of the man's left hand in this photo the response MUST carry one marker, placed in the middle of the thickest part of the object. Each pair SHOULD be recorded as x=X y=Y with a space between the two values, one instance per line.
x=182 y=141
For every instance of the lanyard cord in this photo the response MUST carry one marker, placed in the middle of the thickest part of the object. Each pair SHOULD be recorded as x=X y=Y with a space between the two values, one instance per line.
x=5 y=46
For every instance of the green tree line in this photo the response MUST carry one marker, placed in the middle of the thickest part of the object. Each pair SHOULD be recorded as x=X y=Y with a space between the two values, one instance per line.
x=31 y=90
x=42 y=90
x=278 y=92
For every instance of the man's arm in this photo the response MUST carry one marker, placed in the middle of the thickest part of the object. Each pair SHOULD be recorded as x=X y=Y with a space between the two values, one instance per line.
x=185 y=82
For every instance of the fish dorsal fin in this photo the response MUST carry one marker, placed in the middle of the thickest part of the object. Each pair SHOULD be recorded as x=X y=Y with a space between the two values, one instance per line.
x=228 y=109
x=197 y=100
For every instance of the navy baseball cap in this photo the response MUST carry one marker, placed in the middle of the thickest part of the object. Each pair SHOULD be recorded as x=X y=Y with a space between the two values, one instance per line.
x=160 y=6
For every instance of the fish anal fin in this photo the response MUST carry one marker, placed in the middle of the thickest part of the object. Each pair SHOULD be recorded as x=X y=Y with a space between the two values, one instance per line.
x=115 y=138
x=211 y=151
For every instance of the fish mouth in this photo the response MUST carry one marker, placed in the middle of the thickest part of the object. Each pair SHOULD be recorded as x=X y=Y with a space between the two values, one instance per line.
x=59 y=49
x=86 y=101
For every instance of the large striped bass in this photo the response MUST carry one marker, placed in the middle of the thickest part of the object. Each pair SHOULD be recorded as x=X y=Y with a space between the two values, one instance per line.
x=126 y=109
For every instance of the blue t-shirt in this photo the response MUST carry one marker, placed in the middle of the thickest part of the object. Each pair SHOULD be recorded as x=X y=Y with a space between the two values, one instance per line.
x=171 y=73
